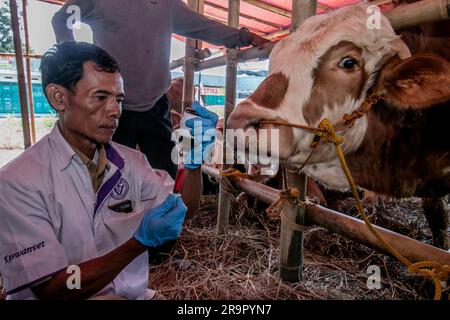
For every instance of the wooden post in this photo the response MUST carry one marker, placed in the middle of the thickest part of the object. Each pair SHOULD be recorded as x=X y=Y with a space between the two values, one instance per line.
x=20 y=73
x=191 y=46
x=28 y=66
x=230 y=101
x=301 y=10
x=291 y=241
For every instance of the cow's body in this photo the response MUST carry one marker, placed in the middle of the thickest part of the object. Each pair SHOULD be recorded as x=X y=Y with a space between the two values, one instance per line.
x=412 y=148
x=328 y=68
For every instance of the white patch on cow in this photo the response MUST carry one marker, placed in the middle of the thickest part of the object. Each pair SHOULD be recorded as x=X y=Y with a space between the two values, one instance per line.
x=446 y=170
x=330 y=174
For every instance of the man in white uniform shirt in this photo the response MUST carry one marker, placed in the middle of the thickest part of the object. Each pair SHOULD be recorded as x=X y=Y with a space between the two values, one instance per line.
x=76 y=198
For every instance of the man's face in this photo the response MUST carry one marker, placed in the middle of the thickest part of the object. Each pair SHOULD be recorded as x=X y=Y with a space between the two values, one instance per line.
x=92 y=112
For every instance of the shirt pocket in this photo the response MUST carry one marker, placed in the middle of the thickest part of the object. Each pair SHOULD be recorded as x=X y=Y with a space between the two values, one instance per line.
x=120 y=226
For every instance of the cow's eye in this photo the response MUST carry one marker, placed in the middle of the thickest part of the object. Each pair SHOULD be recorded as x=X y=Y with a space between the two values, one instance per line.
x=348 y=63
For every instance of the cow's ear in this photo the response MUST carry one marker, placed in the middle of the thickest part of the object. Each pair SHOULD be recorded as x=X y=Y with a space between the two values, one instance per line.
x=417 y=82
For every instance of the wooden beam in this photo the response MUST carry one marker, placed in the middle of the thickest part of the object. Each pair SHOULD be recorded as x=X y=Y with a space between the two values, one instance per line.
x=277 y=34
x=270 y=7
x=280 y=11
x=343 y=224
x=20 y=73
x=28 y=66
x=243 y=56
x=13 y=55
x=274 y=25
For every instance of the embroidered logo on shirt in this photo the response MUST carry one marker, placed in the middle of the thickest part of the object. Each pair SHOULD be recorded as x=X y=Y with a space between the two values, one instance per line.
x=120 y=190
x=10 y=257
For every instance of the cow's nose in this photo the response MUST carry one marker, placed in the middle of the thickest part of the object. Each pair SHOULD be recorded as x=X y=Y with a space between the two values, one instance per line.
x=237 y=120
x=253 y=170
x=241 y=120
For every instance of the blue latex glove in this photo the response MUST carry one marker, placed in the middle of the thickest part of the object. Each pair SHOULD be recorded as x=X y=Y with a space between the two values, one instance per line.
x=162 y=223
x=203 y=131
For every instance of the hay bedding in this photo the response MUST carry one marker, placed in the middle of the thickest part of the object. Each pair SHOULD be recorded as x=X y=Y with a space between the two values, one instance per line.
x=244 y=263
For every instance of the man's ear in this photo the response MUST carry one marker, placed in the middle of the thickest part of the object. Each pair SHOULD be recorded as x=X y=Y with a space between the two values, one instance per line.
x=57 y=96
x=417 y=82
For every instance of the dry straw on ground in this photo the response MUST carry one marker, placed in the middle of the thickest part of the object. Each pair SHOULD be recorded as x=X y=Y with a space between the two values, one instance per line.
x=243 y=264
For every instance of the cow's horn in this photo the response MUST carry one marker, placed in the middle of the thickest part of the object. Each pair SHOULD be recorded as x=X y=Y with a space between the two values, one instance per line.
x=402 y=49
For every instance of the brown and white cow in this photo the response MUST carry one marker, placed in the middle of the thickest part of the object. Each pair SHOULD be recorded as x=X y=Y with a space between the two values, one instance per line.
x=329 y=67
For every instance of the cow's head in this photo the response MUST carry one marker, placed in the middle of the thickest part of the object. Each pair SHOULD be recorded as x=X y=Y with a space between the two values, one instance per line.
x=323 y=70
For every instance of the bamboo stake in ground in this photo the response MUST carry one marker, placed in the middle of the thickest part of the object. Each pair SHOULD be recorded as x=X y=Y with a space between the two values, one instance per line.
x=291 y=241
x=230 y=101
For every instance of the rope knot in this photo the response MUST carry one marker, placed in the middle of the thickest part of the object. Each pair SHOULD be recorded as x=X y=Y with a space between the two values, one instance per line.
x=326 y=132
x=351 y=118
x=290 y=194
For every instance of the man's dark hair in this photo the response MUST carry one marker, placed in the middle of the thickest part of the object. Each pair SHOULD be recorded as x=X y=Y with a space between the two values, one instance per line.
x=63 y=63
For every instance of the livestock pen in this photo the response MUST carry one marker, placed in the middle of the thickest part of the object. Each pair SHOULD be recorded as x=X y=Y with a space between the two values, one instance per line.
x=242 y=261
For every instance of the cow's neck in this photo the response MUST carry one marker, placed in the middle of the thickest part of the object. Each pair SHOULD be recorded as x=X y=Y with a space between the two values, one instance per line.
x=399 y=147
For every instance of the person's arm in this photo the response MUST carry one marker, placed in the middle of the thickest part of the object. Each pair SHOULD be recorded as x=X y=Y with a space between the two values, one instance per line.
x=95 y=274
x=59 y=20
x=194 y=25
x=203 y=130
x=191 y=190
x=158 y=225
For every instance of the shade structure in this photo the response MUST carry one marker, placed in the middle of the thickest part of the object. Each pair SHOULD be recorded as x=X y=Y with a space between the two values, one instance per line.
x=263 y=17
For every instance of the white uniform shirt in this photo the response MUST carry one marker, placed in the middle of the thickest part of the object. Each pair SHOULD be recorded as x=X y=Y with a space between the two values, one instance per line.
x=51 y=218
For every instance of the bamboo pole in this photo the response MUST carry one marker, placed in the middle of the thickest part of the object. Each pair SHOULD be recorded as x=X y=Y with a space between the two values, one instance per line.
x=13 y=55
x=281 y=11
x=191 y=46
x=291 y=241
x=301 y=10
x=344 y=225
x=270 y=8
x=246 y=16
x=418 y=13
x=230 y=101
x=20 y=73
x=28 y=66
x=242 y=56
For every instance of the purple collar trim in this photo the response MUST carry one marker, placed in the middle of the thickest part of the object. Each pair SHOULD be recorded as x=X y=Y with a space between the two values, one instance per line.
x=115 y=158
